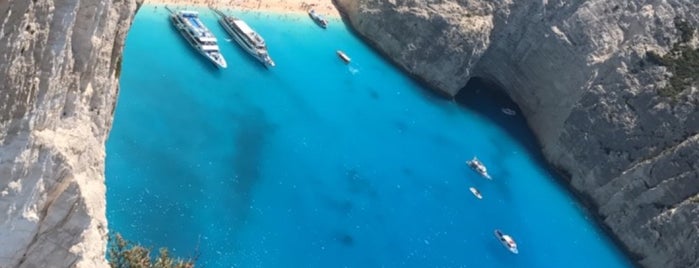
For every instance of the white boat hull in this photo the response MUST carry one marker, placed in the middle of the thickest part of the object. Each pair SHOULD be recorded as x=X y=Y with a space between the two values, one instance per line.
x=474 y=166
x=508 y=111
x=318 y=19
x=219 y=61
x=253 y=52
x=475 y=192
x=343 y=56
x=503 y=238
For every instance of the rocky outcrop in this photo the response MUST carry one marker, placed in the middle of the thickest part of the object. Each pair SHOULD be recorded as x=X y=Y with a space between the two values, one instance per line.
x=580 y=72
x=59 y=68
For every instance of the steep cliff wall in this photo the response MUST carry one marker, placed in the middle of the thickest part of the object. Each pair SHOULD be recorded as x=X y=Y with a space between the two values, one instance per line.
x=579 y=71
x=59 y=67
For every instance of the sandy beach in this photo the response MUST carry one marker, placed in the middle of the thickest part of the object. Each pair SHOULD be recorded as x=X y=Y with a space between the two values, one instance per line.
x=324 y=7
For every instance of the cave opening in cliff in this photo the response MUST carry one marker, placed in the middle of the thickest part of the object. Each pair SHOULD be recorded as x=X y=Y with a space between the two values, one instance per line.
x=488 y=99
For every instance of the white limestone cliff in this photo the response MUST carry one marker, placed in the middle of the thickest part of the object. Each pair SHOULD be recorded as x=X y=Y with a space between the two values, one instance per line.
x=580 y=73
x=576 y=68
x=59 y=68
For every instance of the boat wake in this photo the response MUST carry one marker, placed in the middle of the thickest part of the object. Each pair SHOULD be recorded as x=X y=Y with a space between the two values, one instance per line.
x=353 y=70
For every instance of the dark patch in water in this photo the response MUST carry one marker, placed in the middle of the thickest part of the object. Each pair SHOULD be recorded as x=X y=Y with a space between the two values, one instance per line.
x=442 y=140
x=156 y=164
x=250 y=140
x=401 y=126
x=349 y=81
x=294 y=94
x=374 y=94
x=345 y=207
x=345 y=239
x=407 y=171
x=487 y=99
x=342 y=207
x=358 y=185
x=354 y=182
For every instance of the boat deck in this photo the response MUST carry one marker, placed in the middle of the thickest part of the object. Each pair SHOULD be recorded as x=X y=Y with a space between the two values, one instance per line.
x=193 y=20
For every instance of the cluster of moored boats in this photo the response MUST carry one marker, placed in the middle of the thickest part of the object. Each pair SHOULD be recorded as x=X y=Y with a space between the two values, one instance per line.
x=323 y=23
x=203 y=40
x=506 y=240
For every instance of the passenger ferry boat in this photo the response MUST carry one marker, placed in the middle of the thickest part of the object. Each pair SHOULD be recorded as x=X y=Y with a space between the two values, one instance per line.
x=322 y=22
x=197 y=35
x=246 y=37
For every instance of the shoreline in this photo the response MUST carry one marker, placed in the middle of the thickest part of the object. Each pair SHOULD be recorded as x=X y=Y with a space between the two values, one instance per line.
x=560 y=175
x=324 y=7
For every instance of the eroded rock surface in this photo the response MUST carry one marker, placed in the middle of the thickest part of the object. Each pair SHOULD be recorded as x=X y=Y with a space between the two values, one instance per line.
x=59 y=68
x=579 y=71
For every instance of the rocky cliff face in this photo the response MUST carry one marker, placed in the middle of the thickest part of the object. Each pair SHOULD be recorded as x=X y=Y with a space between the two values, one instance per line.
x=59 y=68
x=579 y=71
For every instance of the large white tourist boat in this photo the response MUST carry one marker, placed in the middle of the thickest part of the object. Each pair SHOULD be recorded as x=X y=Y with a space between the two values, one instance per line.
x=246 y=37
x=197 y=35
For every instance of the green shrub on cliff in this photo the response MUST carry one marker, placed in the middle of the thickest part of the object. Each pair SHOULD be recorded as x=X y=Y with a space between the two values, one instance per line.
x=682 y=61
x=686 y=30
x=124 y=254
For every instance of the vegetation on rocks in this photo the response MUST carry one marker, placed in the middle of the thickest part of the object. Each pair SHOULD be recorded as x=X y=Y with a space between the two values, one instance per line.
x=125 y=254
x=682 y=61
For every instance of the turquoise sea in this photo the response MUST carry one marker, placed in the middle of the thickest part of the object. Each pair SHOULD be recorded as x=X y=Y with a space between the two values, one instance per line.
x=315 y=163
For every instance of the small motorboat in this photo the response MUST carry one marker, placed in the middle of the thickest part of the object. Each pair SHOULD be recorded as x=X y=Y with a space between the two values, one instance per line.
x=475 y=192
x=506 y=241
x=343 y=56
x=319 y=19
x=479 y=167
x=508 y=111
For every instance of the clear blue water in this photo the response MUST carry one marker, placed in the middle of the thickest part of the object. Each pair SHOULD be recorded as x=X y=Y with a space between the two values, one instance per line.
x=315 y=163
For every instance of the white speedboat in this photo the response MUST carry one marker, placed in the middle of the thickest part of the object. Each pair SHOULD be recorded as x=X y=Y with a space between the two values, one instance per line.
x=319 y=19
x=506 y=241
x=508 y=111
x=475 y=192
x=479 y=167
x=246 y=37
x=343 y=56
x=197 y=35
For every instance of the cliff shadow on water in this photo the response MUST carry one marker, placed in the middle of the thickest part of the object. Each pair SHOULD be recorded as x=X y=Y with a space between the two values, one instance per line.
x=489 y=100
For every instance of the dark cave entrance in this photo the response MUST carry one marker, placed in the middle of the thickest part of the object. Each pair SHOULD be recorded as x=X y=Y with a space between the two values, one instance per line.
x=488 y=99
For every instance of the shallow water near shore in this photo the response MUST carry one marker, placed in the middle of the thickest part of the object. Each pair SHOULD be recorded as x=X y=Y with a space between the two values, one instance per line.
x=315 y=163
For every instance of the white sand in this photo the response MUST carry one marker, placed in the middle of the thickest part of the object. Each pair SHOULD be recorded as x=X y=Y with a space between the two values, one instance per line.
x=324 y=7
